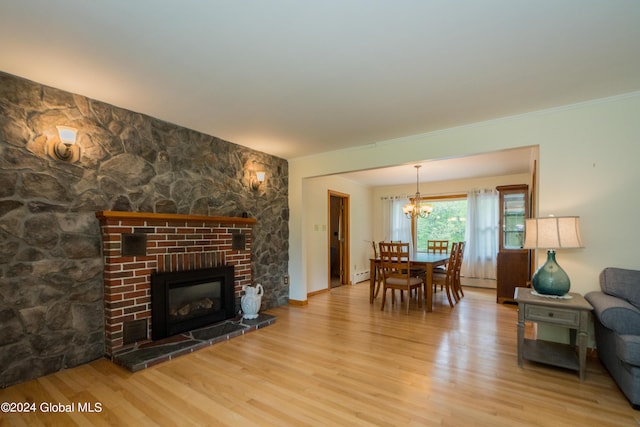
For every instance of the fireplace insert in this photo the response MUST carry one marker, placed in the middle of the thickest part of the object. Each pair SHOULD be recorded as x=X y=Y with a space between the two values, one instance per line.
x=185 y=300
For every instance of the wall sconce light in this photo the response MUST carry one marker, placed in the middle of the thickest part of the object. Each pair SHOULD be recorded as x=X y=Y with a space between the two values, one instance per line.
x=63 y=147
x=259 y=179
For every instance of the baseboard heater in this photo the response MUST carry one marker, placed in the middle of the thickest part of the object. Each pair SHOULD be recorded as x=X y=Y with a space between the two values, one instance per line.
x=360 y=276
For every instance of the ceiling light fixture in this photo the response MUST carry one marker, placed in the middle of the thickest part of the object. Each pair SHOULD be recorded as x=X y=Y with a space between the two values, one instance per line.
x=415 y=208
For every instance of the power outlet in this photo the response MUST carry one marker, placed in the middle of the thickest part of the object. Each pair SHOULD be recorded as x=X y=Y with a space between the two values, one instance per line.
x=286 y=279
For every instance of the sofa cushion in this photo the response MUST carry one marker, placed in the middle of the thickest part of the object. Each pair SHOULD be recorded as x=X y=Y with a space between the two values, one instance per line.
x=621 y=283
x=615 y=313
x=628 y=349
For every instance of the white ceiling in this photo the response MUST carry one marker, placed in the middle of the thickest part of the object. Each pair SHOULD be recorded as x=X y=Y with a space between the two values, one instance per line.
x=505 y=162
x=294 y=78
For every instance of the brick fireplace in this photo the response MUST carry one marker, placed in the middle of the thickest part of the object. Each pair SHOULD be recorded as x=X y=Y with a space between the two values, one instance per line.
x=136 y=244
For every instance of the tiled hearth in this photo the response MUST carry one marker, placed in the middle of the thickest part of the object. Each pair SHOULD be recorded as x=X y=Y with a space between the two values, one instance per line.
x=137 y=244
x=155 y=352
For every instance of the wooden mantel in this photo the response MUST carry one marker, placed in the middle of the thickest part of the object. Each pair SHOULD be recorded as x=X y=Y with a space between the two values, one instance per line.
x=118 y=215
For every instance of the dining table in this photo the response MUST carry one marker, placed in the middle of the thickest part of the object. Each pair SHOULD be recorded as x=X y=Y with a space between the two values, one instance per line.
x=426 y=260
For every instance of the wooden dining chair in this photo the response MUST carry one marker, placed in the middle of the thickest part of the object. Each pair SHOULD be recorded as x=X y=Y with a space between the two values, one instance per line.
x=396 y=272
x=377 y=272
x=447 y=280
x=457 y=288
x=438 y=246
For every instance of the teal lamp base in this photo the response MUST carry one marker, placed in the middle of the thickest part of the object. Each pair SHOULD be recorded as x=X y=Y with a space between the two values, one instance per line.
x=551 y=279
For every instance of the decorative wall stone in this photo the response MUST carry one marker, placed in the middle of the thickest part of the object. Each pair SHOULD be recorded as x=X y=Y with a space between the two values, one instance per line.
x=51 y=271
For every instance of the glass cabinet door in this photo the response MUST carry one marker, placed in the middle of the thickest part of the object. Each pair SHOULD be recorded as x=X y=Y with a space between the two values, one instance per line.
x=513 y=227
x=513 y=211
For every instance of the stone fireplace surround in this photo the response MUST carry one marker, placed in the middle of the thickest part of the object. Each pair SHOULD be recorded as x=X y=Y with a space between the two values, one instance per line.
x=173 y=243
x=51 y=262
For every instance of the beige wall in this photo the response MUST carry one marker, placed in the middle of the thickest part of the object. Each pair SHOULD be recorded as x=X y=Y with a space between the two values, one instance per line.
x=588 y=167
x=317 y=223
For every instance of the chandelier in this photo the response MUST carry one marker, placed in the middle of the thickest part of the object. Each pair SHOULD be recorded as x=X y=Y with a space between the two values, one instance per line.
x=415 y=209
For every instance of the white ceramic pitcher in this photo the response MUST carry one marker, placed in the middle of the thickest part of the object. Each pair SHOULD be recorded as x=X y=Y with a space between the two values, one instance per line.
x=251 y=300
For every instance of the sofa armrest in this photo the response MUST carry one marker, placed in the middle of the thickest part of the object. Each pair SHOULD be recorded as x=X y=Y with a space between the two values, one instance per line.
x=615 y=313
x=621 y=283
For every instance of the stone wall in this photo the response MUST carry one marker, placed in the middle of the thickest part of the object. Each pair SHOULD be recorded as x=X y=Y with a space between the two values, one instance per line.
x=51 y=267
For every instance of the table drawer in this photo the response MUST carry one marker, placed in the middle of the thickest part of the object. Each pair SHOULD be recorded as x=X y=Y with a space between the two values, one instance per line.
x=558 y=316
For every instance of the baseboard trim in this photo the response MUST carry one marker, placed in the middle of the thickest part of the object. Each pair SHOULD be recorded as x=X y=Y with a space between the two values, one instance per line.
x=321 y=291
x=298 y=303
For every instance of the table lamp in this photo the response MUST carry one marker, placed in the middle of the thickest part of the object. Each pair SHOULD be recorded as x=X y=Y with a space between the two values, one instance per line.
x=552 y=233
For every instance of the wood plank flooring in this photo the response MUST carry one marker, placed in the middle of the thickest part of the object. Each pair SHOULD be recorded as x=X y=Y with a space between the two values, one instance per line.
x=341 y=361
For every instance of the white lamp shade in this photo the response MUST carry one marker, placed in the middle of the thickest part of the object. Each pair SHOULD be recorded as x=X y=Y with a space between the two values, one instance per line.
x=553 y=232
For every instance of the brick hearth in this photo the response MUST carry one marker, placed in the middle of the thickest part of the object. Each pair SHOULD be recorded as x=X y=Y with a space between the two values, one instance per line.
x=163 y=242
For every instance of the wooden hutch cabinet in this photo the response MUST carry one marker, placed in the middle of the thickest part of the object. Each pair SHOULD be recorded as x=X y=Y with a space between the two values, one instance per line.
x=513 y=261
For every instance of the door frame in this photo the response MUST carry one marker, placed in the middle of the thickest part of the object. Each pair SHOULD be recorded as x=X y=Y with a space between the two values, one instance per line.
x=344 y=246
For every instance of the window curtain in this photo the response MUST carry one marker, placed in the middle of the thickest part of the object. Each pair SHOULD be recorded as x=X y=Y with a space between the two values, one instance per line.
x=481 y=234
x=398 y=226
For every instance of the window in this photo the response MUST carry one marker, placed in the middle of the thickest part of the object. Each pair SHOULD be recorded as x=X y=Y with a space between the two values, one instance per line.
x=446 y=222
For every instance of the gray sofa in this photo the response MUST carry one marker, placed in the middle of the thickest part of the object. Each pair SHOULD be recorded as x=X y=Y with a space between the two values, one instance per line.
x=617 y=328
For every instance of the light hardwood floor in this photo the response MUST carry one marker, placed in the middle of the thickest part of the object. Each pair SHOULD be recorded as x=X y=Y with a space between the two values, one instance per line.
x=341 y=361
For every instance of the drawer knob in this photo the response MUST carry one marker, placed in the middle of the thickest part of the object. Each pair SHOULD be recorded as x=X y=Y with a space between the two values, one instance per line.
x=550 y=314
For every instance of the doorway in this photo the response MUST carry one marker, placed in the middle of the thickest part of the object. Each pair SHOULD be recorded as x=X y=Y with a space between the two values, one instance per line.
x=338 y=239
